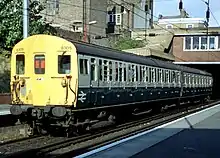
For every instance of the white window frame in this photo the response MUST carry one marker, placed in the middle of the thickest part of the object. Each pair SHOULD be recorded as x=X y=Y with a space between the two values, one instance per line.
x=184 y=44
x=202 y=50
x=169 y=25
x=187 y=26
x=118 y=22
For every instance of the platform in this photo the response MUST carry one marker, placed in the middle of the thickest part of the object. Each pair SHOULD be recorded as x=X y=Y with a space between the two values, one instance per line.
x=196 y=135
x=5 y=109
x=200 y=141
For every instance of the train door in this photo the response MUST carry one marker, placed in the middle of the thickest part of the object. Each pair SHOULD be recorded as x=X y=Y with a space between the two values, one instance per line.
x=39 y=79
x=84 y=80
x=94 y=82
x=63 y=77
x=20 y=74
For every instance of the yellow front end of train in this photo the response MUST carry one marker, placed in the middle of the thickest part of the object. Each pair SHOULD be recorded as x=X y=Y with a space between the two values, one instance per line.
x=43 y=73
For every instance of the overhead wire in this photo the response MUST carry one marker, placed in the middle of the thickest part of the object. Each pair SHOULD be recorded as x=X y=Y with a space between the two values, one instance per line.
x=92 y=25
x=90 y=8
x=215 y=18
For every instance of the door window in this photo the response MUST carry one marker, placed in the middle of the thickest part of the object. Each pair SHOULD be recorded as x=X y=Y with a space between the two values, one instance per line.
x=39 y=64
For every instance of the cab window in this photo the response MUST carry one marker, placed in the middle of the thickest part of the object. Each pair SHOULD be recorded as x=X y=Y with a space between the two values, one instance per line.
x=64 y=64
x=20 y=64
x=39 y=64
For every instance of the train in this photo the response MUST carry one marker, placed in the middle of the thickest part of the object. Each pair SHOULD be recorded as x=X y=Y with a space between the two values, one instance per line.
x=61 y=84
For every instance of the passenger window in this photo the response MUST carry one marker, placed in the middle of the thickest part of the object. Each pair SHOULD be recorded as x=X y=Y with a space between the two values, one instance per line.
x=173 y=76
x=170 y=76
x=116 y=71
x=120 y=72
x=105 y=70
x=147 y=75
x=100 y=70
x=93 y=68
x=141 y=70
x=136 y=72
x=39 y=64
x=160 y=76
x=166 y=76
x=157 y=75
x=110 y=71
x=20 y=64
x=163 y=75
x=125 y=74
x=129 y=73
x=153 y=75
x=83 y=66
x=133 y=73
x=150 y=75
x=64 y=64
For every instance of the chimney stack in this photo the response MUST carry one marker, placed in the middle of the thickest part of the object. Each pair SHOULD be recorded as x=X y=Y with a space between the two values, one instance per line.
x=181 y=9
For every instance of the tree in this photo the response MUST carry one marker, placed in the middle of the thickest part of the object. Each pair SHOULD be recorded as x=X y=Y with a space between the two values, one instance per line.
x=11 y=22
x=128 y=43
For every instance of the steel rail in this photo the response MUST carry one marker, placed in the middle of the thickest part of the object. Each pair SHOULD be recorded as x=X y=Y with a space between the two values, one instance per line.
x=56 y=144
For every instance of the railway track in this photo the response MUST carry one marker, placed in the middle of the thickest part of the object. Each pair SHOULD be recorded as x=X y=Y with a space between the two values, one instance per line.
x=64 y=147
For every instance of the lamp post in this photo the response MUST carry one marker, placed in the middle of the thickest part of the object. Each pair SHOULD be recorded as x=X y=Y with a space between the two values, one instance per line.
x=207 y=15
x=91 y=23
x=25 y=18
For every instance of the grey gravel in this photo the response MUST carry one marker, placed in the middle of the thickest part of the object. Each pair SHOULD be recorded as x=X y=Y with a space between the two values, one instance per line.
x=12 y=133
x=33 y=143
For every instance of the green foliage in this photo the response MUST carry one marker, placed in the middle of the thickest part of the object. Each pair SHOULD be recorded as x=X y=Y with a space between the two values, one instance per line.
x=128 y=43
x=11 y=22
x=5 y=82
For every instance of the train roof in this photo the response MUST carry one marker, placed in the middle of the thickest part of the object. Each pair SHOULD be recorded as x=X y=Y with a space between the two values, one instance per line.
x=105 y=52
x=94 y=50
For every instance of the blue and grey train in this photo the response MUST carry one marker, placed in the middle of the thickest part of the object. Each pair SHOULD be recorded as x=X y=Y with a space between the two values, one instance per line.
x=60 y=83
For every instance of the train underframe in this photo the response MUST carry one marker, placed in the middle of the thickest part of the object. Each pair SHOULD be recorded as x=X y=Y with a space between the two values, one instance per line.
x=50 y=119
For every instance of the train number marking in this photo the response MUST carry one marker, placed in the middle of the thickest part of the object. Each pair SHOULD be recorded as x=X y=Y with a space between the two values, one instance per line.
x=82 y=96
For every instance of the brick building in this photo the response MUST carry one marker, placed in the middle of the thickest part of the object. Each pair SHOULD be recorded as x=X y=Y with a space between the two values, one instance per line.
x=197 y=46
x=123 y=16
x=72 y=15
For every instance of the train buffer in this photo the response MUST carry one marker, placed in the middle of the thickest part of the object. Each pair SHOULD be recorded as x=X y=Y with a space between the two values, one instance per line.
x=195 y=135
x=5 y=109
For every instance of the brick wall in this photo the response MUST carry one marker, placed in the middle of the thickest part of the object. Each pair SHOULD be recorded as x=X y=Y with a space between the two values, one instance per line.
x=192 y=56
x=5 y=98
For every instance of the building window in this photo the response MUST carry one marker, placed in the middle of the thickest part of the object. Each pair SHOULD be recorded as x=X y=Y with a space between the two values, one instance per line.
x=118 y=19
x=169 y=26
x=204 y=42
x=189 y=26
x=52 y=7
x=111 y=17
x=218 y=42
x=188 y=42
x=57 y=4
x=211 y=42
x=196 y=42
